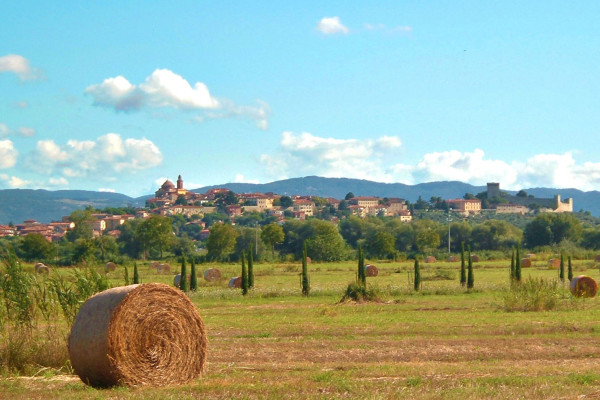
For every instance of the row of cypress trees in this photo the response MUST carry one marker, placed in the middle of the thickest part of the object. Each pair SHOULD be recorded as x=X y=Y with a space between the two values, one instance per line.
x=183 y=283
x=247 y=273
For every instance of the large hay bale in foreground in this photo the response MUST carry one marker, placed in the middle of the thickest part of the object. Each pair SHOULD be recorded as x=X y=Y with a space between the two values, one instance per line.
x=554 y=263
x=212 y=274
x=41 y=268
x=371 y=270
x=235 y=282
x=110 y=266
x=583 y=286
x=526 y=262
x=136 y=335
x=452 y=259
x=163 y=268
x=430 y=259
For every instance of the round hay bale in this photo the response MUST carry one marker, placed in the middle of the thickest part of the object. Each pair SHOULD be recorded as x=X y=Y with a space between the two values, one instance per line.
x=597 y=259
x=430 y=259
x=136 y=335
x=212 y=274
x=371 y=270
x=235 y=282
x=583 y=286
x=554 y=263
x=177 y=280
x=526 y=263
x=154 y=264
x=41 y=268
x=452 y=259
x=308 y=260
x=530 y=255
x=474 y=258
x=110 y=266
x=163 y=268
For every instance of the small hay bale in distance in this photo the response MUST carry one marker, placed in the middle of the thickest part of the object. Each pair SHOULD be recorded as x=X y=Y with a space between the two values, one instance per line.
x=235 y=282
x=177 y=280
x=452 y=259
x=554 y=263
x=526 y=262
x=371 y=270
x=474 y=258
x=138 y=335
x=597 y=259
x=308 y=260
x=154 y=265
x=430 y=259
x=530 y=255
x=212 y=275
x=110 y=266
x=41 y=268
x=583 y=286
x=163 y=268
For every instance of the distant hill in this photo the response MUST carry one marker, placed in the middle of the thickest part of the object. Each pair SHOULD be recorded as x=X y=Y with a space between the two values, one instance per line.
x=17 y=205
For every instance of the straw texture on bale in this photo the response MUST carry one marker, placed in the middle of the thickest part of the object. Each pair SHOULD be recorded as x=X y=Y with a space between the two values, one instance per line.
x=474 y=258
x=583 y=286
x=430 y=259
x=163 y=268
x=154 y=264
x=526 y=262
x=554 y=263
x=41 y=268
x=110 y=266
x=452 y=259
x=235 y=282
x=597 y=258
x=136 y=335
x=371 y=270
x=212 y=274
x=177 y=280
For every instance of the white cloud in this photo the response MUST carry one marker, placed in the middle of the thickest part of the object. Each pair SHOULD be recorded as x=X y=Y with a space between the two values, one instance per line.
x=239 y=178
x=306 y=154
x=26 y=131
x=58 y=182
x=107 y=155
x=332 y=26
x=4 y=131
x=14 y=182
x=8 y=154
x=106 y=190
x=19 y=65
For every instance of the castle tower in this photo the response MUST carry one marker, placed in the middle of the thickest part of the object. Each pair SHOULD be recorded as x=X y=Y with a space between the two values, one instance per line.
x=493 y=189
x=179 y=183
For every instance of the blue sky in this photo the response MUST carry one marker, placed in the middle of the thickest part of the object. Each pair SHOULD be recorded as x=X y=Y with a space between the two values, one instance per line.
x=120 y=95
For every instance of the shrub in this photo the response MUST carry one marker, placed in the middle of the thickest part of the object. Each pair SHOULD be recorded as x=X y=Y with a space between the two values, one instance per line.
x=358 y=292
x=532 y=295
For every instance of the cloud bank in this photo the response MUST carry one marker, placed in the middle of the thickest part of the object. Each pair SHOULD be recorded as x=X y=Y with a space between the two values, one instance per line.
x=19 y=66
x=332 y=26
x=8 y=154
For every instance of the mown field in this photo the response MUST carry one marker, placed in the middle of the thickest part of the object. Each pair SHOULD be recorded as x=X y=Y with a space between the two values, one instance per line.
x=442 y=342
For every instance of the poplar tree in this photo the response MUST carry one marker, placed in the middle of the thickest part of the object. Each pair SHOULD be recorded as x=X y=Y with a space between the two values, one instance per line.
x=518 y=264
x=305 y=279
x=470 y=277
x=417 y=275
x=512 y=265
x=126 y=275
x=183 y=284
x=561 y=272
x=463 y=271
x=570 y=270
x=250 y=269
x=193 y=278
x=362 y=275
x=136 y=274
x=244 y=276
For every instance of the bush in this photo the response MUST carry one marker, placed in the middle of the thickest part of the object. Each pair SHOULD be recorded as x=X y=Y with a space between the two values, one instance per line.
x=532 y=295
x=358 y=292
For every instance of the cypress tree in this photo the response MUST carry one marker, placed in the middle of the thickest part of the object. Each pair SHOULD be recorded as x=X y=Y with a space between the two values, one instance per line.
x=512 y=265
x=463 y=271
x=561 y=272
x=362 y=275
x=470 y=277
x=250 y=269
x=126 y=275
x=518 y=264
x=570 y=270
x=183 y=284
x=305 y=279
x=244 y=276
x=193 y=278
x=417 y=275
x=136 y=274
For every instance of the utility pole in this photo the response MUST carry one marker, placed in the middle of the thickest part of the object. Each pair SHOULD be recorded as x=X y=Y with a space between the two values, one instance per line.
x=449 y=220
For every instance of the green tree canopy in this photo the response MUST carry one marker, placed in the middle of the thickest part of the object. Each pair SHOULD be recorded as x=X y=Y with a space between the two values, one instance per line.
x=221 y=241
x=272 y=234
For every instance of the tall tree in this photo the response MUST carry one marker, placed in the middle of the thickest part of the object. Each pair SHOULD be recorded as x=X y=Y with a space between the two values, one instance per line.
x=136 y=274
x=463 y=270
x=244 y=276
x=561 y=273
x=361 y=274
x=183 y=285
x=470 y=277
x=221 y=241
x=512 y=265
x=155 y=233
x=193 y=278
x=417 y=280
x=305 y=278
x=271 y=235
x=250 y=268
x=518 y=264
x=570 y=271
x=126 y=275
